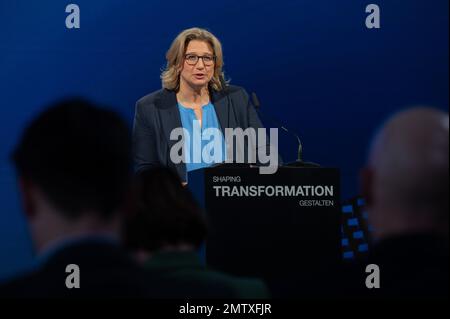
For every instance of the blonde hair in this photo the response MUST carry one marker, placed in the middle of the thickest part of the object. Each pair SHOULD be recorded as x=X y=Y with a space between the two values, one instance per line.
x=175 y=57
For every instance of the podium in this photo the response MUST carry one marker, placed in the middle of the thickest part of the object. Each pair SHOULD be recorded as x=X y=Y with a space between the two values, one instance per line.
x=270 y=225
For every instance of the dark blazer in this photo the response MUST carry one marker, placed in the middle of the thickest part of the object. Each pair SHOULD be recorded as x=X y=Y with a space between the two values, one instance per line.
x=157 y=115
x=411 y=266
x=105 y=271
x=198 y=281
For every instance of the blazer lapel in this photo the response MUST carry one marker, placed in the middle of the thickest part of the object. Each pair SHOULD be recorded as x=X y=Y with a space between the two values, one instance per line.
x=221 y=107
x=170 y=119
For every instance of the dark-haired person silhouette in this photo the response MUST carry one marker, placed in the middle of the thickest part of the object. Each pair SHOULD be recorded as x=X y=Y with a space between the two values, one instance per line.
x=166 y=231
x=73 y=166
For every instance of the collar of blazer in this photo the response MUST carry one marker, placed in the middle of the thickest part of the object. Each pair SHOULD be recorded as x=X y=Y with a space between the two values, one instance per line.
x=167 y=109
x=166 y=105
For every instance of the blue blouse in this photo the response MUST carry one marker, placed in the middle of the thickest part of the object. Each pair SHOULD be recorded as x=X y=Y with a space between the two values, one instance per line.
x=205 y=144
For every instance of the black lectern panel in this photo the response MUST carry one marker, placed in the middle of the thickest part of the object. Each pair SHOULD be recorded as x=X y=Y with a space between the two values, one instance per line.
x=270 y=225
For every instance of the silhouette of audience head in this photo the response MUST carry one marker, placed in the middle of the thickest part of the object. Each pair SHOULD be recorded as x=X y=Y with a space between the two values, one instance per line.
x=166 y=218
x=405 y=181
x=74 y=169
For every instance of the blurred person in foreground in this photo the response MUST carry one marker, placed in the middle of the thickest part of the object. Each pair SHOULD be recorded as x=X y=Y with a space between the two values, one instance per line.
x=405 y=184
x=165 y=233
x=74 y=170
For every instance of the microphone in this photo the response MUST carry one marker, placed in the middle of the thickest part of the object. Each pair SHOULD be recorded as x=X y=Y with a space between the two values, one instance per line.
x=299 y=161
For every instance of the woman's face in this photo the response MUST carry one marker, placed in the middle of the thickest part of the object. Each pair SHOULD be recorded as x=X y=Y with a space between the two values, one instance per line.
x=196 y=71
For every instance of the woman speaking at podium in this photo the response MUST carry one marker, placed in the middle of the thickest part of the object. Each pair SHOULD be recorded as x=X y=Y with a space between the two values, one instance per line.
x=194 y=97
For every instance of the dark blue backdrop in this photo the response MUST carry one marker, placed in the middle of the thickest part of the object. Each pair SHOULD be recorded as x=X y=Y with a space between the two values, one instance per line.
x=312 y=62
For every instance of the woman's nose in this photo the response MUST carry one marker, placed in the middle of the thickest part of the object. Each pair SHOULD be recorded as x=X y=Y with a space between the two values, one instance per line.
x=200 y=65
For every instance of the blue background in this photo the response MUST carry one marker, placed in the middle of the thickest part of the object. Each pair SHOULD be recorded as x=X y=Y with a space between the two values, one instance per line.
x=313 y=63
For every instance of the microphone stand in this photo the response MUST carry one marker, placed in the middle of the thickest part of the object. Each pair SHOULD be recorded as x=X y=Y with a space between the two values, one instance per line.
x=299 y=161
